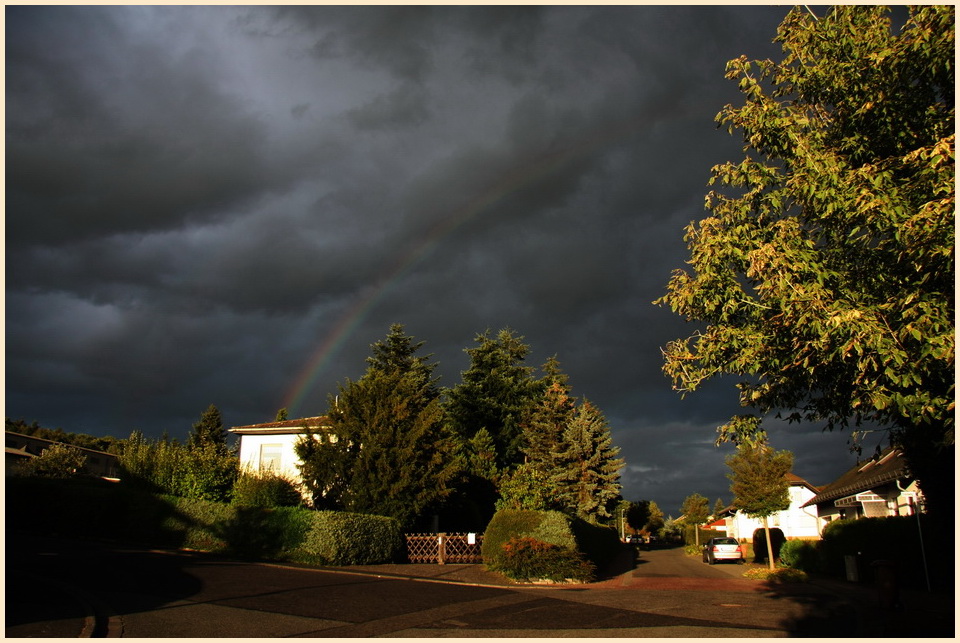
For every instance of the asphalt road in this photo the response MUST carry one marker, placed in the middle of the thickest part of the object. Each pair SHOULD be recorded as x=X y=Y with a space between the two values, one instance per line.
x=143 y=593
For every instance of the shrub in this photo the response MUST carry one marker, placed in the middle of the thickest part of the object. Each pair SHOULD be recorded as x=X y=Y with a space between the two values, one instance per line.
x=341 y=538
x=598 y=543
x=778 y=575
x=551 y=527
x=265 y=490
x=800 y=554
x=525 y=558
x=56 y=461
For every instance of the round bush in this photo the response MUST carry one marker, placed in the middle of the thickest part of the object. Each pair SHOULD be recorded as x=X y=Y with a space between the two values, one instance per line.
x=800 y=554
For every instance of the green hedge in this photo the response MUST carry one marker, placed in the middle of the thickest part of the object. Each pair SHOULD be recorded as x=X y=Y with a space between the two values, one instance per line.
x=598 y=544
x=892 y=538
x=81 y=508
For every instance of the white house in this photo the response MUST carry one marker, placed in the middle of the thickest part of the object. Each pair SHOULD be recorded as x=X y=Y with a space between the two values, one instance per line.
x=270 y=447
x=880 y=486
x=798 y=521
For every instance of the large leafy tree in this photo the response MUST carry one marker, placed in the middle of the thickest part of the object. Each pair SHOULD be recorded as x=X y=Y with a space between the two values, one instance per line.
x=387 y=450
x=695 y=510
x=496 y=393
x=758 y=476
x=825 y=273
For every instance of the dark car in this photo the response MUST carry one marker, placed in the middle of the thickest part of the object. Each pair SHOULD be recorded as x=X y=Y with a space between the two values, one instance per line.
x=717 y=549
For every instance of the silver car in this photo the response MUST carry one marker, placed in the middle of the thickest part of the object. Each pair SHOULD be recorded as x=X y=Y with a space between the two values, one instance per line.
x=717 y=549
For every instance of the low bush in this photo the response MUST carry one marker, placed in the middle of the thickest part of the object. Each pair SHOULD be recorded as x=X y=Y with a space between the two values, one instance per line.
x=778 y=575
x=265 y=489
x=551 y=527
x=525 y=558
x=800 y=554
x=87 y=508
x=598 y=543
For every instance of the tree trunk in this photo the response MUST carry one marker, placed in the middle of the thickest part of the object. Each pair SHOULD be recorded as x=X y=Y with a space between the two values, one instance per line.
x=766 y=532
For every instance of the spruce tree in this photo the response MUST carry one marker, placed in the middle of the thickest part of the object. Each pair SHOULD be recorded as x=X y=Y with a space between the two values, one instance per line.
x=496 y=393
x=588 y=473
x=209 y=431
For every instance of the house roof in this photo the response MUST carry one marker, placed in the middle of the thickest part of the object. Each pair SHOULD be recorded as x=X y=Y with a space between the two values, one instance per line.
x=300 y=425
x=887 y=467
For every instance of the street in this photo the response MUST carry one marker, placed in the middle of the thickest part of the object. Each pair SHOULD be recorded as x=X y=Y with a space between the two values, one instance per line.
x=143 y=593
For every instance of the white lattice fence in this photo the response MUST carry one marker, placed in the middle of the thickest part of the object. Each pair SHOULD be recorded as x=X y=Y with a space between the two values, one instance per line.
x=444 y=548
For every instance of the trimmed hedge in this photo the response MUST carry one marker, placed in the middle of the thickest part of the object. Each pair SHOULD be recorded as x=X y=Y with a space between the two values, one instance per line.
x=598 y=544
x=86 y=508
x=895 y=538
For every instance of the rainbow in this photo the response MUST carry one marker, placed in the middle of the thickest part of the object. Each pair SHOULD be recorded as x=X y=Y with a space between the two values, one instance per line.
x=354 y=316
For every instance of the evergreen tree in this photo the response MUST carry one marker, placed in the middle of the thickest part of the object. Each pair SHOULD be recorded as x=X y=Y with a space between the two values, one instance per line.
x=544 y=431
x=281 y=415
x=496 y=393
x=759 y=483
x=718 y=508
x=387 y=451
x=655 y=521
x=588 y=473
x=209 y=431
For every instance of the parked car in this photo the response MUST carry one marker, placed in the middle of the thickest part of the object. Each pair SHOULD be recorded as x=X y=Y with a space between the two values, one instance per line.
x=717 y=549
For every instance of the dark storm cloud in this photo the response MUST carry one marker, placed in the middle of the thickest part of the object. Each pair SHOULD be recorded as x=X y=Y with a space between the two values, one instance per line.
x=198 y=197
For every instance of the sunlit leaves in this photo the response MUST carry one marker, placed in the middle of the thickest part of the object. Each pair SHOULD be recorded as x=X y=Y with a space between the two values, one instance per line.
x=824 y=273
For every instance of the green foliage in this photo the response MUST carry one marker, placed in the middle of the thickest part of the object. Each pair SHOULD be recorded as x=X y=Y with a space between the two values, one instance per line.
x=497 y=393
x=107 y=444
x=824 y=274
x=205 y=471
x=588 y=469
x=777 y=575
x=800 y=554
x=209 y=432
x=600 y=544
x=388 y=450
x=695 y=509
x=549 y=526
x=525 y=558
x=341 y=538
x=870 y=539
x=758 y=479
x=56 y=461
x=88 y=508
x=265 y=489
x=526 y=487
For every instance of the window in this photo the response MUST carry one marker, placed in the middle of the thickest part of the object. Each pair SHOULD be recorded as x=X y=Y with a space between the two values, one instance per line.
x=270 y=457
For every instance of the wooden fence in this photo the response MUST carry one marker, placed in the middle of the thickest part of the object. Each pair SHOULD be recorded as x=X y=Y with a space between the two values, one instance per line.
x=444 y=548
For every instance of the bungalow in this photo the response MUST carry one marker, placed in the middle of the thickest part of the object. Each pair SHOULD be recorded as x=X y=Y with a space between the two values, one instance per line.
x=20 y=448
x=270 y=447
x=881 y=486
x=798 y=521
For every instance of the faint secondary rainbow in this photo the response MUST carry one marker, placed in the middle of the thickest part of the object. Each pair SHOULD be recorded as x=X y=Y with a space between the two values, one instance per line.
x=354 y=316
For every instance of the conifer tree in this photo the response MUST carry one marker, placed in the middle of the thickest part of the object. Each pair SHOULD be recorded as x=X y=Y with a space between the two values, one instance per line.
x=209 y=431
x=496 y=393
x=387 y=451
x=588 y=474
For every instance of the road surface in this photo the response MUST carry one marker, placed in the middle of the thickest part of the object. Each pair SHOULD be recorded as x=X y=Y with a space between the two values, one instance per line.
x=144 y=593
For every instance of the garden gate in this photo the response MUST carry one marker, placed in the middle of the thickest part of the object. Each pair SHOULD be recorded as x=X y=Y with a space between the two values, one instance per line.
x=444 y=548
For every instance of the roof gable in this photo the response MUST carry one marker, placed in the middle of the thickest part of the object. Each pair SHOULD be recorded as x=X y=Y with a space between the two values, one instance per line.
x=299 y=425
x=888 y=466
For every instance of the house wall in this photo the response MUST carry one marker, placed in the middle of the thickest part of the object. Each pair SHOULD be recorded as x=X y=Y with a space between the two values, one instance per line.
x=795 y=521
x=252 y=449
x=896 y=503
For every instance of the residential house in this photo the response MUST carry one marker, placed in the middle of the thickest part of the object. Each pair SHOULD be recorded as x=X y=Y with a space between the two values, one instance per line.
x=270 y=447
x=879 y=486
x=798 y=521
x=20 y=447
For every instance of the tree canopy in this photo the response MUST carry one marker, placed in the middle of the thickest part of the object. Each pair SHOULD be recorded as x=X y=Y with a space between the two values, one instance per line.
x=824 y=275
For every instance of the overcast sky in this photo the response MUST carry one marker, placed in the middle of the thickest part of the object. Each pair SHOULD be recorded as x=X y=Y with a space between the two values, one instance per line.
x=228 y=205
